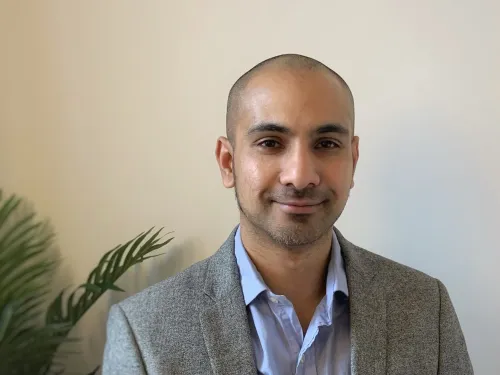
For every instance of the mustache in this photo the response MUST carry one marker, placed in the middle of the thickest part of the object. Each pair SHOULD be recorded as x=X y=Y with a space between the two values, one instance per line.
x=312 y=193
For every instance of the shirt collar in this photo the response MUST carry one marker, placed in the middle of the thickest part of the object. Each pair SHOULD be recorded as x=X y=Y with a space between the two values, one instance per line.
x=251 y=280
x=253 y=284
x=336 y=280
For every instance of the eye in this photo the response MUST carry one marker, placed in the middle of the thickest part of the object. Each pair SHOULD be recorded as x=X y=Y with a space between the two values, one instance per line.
x=269 y=143
x=326 y=143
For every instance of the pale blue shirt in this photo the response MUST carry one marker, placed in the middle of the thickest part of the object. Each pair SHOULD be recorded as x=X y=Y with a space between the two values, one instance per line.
x=279 y=344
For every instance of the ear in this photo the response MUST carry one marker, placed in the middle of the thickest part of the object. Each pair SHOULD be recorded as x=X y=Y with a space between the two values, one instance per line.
x=355 y=156
x=224 y=157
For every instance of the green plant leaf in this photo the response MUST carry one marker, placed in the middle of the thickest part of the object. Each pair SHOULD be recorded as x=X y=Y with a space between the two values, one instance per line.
x=5 y=319
x=91 y=287
x=95 y=371
x=26 y=268
x=151 y=256
x=54 y=312
x=114 y=287
x=136 y=244
x=9 y=206
x=22 y=228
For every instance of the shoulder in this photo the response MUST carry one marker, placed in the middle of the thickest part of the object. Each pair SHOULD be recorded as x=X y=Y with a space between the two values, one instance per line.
x=178 y=298
x=170 y=297
x=394 y=277
x=393 y=271
x=405 y=288
x=161 y=324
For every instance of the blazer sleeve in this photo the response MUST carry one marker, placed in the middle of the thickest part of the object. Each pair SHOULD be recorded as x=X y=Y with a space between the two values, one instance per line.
x=121 y=352
x=453 y=356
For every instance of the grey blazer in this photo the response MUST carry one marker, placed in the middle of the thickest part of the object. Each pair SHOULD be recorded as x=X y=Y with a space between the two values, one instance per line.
x=402 y=322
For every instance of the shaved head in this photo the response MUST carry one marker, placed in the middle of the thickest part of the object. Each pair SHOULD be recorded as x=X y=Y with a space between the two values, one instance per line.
x=290 y=62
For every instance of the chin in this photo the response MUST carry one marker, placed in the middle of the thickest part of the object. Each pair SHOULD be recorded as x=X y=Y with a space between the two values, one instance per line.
x=295 y=239
x=296 y=232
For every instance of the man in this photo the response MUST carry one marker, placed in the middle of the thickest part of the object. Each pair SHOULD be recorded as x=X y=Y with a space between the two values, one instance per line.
x=287 y=293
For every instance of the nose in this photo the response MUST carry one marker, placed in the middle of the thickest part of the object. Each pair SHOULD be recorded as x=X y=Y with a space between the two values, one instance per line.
x=299 y=168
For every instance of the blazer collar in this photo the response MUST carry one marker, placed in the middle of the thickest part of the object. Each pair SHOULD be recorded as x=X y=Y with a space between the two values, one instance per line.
x=222 y=276
x=367 y=310
x=224 y=321
x=356 y=259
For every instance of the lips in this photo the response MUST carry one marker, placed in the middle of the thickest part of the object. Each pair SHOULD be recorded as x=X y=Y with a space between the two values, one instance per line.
x=301 y=202
x=299 y=206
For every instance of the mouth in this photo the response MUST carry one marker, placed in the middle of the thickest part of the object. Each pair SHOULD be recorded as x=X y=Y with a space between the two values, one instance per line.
x=302 y=206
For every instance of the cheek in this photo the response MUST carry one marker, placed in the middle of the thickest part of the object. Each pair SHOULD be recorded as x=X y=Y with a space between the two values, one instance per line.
x=255 y=177
x=338 y=176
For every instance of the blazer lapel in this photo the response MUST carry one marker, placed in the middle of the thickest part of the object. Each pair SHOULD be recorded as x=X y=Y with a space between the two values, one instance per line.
x=224 y=320
x=367 y=311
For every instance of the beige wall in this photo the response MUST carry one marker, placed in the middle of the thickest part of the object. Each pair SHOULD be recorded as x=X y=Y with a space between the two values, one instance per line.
x=109 y=111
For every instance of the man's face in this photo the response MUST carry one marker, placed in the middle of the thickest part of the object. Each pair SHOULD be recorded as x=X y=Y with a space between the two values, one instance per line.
x=294 y=155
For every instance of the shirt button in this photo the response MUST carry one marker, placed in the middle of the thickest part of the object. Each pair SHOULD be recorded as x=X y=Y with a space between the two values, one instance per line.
x=273 y=300
x=302 y=360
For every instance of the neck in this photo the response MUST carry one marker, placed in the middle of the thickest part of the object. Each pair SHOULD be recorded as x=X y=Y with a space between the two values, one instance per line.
x=298 y=273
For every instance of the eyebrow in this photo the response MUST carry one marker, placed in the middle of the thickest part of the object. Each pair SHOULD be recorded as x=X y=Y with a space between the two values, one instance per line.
x=267 y=127
x=332 y=128
x=278 y=128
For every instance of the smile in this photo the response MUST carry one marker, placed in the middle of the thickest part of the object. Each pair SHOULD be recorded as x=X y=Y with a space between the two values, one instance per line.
x=299 y=207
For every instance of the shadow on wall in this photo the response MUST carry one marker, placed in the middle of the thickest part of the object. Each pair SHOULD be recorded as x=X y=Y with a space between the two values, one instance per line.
x=175 y=259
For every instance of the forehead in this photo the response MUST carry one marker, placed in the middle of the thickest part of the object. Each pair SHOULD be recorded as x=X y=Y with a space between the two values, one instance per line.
x=299 y=99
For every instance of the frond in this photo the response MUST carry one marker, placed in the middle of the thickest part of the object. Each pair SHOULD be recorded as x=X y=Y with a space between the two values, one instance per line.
x=26 y=268
x=104 y=276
